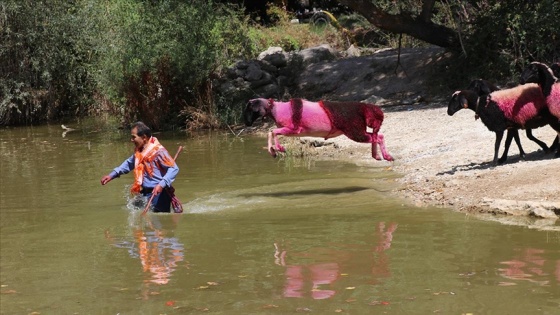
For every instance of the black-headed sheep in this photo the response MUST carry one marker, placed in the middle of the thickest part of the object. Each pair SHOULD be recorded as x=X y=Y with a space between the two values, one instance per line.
x=520 y=107
x=485 y=87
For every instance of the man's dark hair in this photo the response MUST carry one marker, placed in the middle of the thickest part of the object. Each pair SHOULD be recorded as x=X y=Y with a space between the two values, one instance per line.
x=142 y=129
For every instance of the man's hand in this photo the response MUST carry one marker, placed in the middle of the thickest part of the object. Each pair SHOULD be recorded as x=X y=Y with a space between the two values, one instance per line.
x=157 y=190
x=105 y=179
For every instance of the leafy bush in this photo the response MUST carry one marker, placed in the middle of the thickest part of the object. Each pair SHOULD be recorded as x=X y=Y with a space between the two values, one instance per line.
x=167 y=52
x=43 y=60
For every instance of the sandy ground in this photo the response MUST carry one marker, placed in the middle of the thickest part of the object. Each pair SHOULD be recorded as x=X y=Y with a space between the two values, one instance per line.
x=446 y=161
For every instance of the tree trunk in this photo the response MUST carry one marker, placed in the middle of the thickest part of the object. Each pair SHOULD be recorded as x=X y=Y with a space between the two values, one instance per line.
x=418 y=27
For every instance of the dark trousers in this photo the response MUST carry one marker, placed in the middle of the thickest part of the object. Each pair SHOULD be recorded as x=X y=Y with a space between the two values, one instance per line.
x=161 y=202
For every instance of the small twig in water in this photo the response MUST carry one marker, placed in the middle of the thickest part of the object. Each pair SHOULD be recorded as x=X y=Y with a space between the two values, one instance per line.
x=237 y=135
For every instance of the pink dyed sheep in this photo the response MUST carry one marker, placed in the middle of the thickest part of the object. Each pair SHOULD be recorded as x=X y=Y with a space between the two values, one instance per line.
x=299 y=118
x=544 y=76
x=520 y=107
x=483 y=88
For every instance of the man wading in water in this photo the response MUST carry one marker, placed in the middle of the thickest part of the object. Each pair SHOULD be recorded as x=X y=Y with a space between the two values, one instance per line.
x=154 y=170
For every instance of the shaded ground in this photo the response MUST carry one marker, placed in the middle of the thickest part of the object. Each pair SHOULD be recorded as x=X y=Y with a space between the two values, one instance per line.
x=446 y=161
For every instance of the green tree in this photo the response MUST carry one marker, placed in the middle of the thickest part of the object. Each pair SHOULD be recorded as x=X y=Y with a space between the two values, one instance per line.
x=44 y=61
x=491 y=38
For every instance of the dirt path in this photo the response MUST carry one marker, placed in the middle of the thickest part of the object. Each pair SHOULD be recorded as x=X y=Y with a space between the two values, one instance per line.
x=446 y=161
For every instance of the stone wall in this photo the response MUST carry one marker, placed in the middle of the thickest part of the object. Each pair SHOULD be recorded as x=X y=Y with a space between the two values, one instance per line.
x=274 y=74
x=381 y=76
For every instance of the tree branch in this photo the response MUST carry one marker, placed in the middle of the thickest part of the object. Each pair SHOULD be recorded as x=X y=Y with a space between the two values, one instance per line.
x=420 y=27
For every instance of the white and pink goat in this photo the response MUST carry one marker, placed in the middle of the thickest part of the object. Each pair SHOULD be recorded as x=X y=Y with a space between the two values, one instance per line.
x=300 y=118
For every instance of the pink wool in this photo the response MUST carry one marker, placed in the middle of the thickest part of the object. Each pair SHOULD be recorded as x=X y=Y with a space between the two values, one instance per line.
x=314 y=121
x=553 y=100
x=300 y=118
x=521 y=103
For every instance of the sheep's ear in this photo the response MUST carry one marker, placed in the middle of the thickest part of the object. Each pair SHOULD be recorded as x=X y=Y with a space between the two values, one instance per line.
x=463 y=101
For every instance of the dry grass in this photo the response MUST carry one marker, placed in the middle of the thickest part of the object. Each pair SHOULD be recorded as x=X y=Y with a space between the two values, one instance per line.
x=292 y=36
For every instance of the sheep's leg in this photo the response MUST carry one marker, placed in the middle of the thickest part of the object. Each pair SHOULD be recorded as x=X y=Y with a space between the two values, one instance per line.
x=270 y=146
x=509 y=137
x=366 y=137
x=555 y=145
x=381 y=141
x=518 y=142
x=512 y=134
x=374 y=141
x=273 y=135
x=543 y=145
x=558 y=145
x=499 y=136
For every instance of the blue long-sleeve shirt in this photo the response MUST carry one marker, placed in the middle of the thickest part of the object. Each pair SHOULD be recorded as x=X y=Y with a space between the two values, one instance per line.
x=162 y=175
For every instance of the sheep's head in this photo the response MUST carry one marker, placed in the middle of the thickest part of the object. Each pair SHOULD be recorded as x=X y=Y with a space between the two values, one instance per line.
x=535 y=72
x=255 y=109
x=457 y=102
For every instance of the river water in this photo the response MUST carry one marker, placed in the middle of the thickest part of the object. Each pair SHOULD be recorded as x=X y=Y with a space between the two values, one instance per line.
x=258 y=236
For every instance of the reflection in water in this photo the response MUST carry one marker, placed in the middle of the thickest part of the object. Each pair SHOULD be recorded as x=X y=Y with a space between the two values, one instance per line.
x=529 y=265
x=317 y=279
x=159 y=252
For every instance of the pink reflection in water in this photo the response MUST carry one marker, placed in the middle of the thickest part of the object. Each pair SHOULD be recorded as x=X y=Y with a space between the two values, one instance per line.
x=317 y=280
x=529 y=265
x=316 y=275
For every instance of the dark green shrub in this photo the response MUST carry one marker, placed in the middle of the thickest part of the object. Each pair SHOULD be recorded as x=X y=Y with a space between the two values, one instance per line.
x=505 y=35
